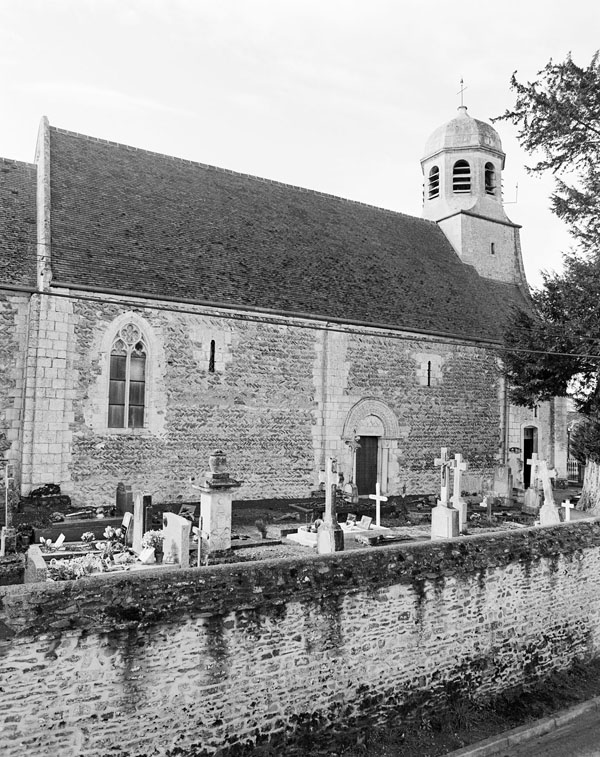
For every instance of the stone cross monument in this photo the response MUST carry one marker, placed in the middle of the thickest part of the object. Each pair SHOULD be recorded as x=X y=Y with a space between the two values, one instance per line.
x=444 y=518
x=330 y=537
x=458 y=466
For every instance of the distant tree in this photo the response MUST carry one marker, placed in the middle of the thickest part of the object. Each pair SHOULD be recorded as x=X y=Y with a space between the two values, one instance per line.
x=554 y=349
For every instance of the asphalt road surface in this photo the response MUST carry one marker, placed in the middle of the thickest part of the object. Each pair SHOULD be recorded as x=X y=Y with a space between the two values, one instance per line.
x=578 y=738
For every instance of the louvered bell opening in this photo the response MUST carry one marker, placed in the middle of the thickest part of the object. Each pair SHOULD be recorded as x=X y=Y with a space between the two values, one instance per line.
x=461 y=177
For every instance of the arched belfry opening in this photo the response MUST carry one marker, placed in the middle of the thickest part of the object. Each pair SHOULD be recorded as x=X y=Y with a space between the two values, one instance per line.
x=374 y=426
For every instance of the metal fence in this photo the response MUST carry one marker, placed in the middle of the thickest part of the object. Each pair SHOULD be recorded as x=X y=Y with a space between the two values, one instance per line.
x=575 y=471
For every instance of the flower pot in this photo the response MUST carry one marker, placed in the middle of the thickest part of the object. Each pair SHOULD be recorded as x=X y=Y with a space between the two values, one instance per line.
x=158 y=554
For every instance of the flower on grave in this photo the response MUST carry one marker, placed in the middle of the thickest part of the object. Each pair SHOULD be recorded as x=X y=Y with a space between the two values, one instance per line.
x=153 y=539
x=46 y=544
x=109 y=532
x=88 y=537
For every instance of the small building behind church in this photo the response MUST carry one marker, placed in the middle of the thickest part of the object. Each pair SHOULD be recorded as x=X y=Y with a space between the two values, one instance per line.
x=153 y=309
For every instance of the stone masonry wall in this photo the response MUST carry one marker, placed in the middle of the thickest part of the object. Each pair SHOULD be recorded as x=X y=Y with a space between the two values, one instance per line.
x=279 y=401
x=13 y=330
x=296 y=651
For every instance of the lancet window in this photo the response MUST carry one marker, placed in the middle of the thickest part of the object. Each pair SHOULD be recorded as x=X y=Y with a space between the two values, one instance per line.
x=127 y=386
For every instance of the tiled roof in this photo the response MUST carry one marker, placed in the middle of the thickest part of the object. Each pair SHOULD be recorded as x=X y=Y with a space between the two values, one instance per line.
x=131 y=220
x=17 y=223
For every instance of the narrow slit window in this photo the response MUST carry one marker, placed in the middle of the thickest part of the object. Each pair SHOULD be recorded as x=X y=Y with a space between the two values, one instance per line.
x=429 y=373
x=490 y=179
x=461 y=177
x=434 y=183
x=493 y=248
x=211 y=357
x=127 y=380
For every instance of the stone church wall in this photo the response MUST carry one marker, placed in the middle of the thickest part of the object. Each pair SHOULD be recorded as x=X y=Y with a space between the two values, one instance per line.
x=278 y=396
x=306 y=652
x=13 y=337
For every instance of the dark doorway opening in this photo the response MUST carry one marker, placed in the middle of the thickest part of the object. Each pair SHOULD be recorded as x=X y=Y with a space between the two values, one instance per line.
x=366 y=464
x=530 y=445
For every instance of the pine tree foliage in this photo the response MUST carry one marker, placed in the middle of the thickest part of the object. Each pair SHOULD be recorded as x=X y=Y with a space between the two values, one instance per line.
x=558 y=117
x=555 y=349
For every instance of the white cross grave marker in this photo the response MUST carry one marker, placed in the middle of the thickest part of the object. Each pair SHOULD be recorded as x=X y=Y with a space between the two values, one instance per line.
x=444 y=463
x=534 y=469
x=568 y=505
x=458 y=466
x=379 y=498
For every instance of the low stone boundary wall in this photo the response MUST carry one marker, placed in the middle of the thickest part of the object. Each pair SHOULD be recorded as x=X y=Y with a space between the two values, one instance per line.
x=12 y=569
x=293 y=652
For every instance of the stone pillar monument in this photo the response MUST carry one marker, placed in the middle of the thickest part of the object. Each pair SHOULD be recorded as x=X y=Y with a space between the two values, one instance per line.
x=330 y=537
x=215 y=503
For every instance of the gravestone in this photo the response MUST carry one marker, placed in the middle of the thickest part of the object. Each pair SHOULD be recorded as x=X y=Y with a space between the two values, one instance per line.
x=365 y=522
x=549 y=514
x=330 y=537
x=531 y=500
x=176 y=541
x=378 y=500
x=503 y=481
x=459 y=466
x=124 y=499
x=444 y=518
x=138 y=522
x=568 y=506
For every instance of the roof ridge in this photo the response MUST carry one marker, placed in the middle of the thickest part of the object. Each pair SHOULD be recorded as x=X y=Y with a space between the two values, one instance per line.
x=18 y=162
x=230 y=171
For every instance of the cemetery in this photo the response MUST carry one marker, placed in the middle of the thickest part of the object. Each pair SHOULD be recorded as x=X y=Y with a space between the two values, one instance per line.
x=296 y=622
x=133 y=533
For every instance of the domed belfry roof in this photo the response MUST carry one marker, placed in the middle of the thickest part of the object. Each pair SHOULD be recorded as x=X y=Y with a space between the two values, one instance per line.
x=463 y=133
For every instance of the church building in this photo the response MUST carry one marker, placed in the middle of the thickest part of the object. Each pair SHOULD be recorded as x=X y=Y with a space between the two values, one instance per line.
x=153 y=309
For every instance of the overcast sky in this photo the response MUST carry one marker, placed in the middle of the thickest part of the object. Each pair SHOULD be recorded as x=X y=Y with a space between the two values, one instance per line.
x=334 y=95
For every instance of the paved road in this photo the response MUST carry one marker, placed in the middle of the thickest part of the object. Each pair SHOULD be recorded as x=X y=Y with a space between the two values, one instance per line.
x=578 y=738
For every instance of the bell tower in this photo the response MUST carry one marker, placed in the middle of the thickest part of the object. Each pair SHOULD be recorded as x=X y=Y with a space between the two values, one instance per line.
x=462 y=168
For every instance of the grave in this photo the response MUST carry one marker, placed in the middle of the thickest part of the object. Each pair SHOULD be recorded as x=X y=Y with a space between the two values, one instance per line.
x=549 y=514
x=378 y=500
x=568 y=506
x=330 y=537
x=138 y=522
x=503 y=481
x=444 y=518
x=124 y=499
x=176 y=543
x=459 y=466
x=531 y=499
x=215 y=504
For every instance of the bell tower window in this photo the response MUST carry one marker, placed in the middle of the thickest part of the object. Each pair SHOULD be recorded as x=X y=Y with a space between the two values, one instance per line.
x=490 y=179
x=434 y=183
x=127 y=381
x=461 y=177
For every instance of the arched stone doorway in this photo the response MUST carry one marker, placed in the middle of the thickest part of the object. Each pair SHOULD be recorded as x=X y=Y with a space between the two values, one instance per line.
x=374 y=426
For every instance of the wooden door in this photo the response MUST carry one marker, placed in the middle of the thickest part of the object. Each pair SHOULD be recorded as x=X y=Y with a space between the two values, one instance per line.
x=366 y=464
